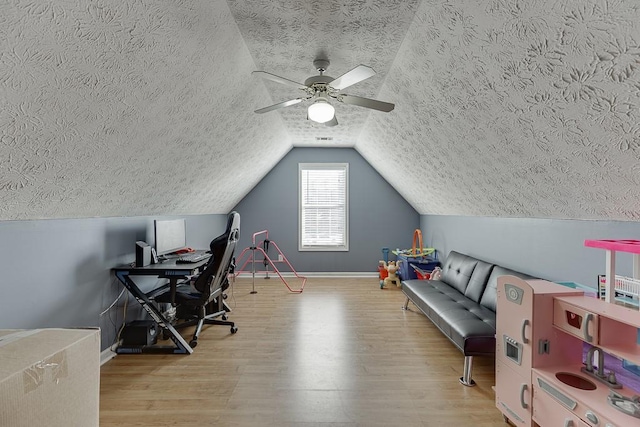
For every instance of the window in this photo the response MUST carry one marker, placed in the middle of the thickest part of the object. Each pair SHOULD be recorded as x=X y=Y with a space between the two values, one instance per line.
x=323 y=206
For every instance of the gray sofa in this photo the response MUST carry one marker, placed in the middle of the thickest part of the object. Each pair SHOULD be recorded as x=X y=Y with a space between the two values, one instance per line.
x=462 y=304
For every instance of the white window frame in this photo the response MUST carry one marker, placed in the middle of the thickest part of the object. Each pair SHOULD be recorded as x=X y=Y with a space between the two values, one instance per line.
x=315 y=247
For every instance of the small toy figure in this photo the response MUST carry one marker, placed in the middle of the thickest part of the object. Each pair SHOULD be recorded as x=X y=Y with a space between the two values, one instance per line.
x=436 y=273
x=392 y=268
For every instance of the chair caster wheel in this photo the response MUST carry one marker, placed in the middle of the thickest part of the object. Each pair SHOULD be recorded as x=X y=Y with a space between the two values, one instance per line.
x=193 y=343
x=234 y=329
x=224 y=317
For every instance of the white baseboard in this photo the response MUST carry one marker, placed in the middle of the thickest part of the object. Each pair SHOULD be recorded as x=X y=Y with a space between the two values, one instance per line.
x=107 y=355
x=364 y=274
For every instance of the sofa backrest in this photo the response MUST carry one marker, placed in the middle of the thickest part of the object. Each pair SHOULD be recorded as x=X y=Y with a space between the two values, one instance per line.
x=490 y=296
x=457 y=270
x=478 y=281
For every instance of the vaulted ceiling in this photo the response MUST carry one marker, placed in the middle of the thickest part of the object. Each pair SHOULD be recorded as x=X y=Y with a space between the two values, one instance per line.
x=509 y=108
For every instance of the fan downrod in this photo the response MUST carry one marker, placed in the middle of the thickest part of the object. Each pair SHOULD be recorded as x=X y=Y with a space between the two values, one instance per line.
x=322 y=80
x=321 y=65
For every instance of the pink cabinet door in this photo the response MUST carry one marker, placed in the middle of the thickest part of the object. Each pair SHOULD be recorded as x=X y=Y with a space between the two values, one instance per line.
x=514 y=324
x=513 y=394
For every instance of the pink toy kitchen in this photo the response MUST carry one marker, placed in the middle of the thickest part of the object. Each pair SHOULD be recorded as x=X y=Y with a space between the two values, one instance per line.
x=565 y=356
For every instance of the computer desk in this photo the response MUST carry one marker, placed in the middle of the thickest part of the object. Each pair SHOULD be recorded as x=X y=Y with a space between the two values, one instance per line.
x=164 y=270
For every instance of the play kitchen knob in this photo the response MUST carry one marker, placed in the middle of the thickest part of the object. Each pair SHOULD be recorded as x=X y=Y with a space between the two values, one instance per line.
x=592 y=417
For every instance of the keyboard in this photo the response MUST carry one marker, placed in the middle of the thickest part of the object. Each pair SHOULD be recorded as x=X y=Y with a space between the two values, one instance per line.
x=191 y=258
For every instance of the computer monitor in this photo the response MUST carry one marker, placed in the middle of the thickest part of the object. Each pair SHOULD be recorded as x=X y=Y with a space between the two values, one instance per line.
x=170 y=235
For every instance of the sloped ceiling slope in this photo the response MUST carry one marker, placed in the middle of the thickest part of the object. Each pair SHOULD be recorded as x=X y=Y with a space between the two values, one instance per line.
x=509 y=108
x=111 y=108
x=284 y=37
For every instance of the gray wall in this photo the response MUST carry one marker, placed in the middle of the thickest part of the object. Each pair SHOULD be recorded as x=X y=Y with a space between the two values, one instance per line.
x=378 y=216
x=547 y=248
x=57 y=273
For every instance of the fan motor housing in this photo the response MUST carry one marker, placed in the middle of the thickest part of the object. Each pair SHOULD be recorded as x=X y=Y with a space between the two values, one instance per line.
x=318 y=79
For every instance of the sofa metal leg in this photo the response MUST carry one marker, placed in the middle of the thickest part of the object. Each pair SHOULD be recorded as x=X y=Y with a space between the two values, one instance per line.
x=466 y=376
x=406 y=304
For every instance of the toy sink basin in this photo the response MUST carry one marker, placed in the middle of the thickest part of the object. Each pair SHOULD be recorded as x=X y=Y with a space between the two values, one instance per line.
x=576 y=381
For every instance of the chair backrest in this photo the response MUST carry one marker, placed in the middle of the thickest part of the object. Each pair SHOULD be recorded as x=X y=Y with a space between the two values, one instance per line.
x=214 y=278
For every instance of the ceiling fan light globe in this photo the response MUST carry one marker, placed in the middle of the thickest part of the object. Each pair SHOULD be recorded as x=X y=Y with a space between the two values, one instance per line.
x=321 y=111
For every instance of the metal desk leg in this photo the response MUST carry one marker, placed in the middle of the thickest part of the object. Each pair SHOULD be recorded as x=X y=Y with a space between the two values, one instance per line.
x=182 y=347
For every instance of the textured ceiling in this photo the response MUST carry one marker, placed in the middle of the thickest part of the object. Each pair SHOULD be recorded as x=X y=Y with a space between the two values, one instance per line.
x=525 y=108
x=284 y=37
x=111 y=108
x=514 y=108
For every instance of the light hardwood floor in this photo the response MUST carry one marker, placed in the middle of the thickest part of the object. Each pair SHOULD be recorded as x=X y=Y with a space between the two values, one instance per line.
x=342 y=353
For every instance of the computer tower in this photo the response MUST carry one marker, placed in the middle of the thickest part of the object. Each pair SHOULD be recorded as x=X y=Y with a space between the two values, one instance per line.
x=140 y=332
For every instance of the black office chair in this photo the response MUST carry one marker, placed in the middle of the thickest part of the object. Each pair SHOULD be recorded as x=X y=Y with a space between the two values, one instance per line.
x=203 y=302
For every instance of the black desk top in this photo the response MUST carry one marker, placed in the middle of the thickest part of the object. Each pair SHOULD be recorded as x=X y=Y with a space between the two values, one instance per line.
x=168 y=267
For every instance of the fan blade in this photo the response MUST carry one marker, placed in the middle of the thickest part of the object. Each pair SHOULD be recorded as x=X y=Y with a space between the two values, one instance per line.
x=332 y=122
x=279 y=105
x=367 y=103
x=358 y=74
x=278 y=79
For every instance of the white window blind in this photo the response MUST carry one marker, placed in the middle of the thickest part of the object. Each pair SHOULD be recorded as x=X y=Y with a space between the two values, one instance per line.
x=323 y=206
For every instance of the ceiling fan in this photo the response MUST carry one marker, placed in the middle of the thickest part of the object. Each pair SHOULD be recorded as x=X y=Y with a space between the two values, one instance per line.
x=323 y=88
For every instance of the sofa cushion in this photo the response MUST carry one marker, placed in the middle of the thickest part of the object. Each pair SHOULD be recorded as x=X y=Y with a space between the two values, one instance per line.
x=490 y=297
x=466 y=323
x=457 y=270
x=478 y=281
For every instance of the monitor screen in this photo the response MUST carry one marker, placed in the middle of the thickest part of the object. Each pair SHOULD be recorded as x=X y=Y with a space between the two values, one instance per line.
x=170 y=235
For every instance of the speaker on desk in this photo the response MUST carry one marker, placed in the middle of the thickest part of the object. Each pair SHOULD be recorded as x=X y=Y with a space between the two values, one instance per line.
x=143 y=254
